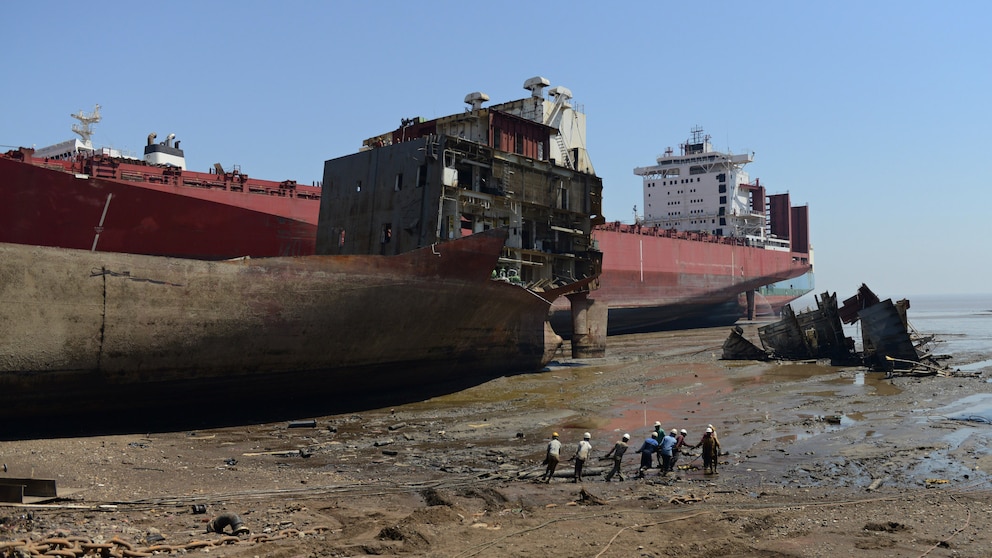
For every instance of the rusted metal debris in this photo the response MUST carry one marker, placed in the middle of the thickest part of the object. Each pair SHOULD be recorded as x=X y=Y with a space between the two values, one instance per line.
x=888 y=339
x=30 y=491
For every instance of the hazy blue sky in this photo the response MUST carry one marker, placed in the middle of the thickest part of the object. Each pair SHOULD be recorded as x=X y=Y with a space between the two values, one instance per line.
x=875 y=114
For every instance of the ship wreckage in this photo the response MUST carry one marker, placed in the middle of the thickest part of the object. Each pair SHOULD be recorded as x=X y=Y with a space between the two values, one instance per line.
x=889 y=343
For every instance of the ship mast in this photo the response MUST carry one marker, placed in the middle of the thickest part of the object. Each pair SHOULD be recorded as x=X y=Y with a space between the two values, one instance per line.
x=85 y=122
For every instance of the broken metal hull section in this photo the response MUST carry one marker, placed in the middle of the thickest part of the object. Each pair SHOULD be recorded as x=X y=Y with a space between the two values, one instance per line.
x=90 y=331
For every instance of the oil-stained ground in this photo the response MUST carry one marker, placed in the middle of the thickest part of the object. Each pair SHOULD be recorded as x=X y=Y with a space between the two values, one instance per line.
x=819 y=461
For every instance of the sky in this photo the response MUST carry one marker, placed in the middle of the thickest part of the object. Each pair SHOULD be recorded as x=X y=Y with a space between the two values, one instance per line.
x=874 y=114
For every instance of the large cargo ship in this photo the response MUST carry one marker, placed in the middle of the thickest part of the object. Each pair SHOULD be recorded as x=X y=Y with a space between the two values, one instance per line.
x=74 y=195
x=709 y=235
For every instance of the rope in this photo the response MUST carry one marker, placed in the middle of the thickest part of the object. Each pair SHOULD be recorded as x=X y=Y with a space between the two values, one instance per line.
x=78 y=547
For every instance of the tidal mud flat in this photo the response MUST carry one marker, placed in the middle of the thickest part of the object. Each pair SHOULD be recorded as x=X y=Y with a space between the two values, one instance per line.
x=819 y=460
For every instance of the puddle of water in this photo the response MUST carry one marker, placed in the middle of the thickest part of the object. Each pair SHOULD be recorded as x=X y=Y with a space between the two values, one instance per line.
x=691 y=401
x=975 y=366
x=874 y=380
x=814 y=425
x=976 y=408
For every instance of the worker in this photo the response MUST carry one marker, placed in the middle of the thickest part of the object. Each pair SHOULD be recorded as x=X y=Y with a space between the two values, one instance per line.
x=661 y=434
x=715 y=437
x=581 y=454
x=647 y=450
x=617 y=452
x=711 y=451
x=665 y=448
x=677 y=450
x=551 y=457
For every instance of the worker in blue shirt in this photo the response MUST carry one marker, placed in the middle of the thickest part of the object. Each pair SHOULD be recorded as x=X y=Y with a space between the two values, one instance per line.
x=647 y=451
x=665 y=448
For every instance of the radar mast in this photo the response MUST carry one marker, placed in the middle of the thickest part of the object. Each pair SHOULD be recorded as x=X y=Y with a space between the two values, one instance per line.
x=85 y=121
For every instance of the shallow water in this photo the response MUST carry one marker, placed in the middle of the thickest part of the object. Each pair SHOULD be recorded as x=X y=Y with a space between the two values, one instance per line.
x=975 y=408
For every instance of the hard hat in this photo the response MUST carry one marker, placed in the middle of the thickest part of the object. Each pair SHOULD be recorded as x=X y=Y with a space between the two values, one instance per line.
x=709 y=430
x=554 y=434
x=675 y=431
x=657 y=423
x=683 y=431
x=710 y=425
x=587 y=435
x=626 y=436
x=654 y=434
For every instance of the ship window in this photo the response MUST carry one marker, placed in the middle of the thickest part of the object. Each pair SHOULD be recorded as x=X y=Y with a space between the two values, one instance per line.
x=723 y=200
x=722 y=177
x=723 y=188
x=723 y=220
x=518 y=147
x=398 y=184
x=497 y=138
x=563 y=197
x=670 y=173
x=696 y=169
x=422 y=176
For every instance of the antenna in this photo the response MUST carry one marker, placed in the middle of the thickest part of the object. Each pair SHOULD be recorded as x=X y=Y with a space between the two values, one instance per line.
x=85 y=121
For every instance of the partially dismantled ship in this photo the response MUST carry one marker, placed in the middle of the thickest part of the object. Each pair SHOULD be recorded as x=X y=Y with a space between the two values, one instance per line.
x=888 y=341
x=440 y=249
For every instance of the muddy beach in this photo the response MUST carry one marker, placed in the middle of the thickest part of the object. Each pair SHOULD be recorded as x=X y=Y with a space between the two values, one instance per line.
x=818 y=461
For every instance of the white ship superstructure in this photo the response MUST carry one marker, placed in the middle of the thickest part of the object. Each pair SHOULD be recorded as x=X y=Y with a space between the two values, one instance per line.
x=703 y=190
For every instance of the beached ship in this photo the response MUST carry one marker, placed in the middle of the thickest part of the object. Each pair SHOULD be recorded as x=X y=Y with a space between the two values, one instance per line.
x=440 y=248
x=94 y=334
x=708 y=236
x=74 y=195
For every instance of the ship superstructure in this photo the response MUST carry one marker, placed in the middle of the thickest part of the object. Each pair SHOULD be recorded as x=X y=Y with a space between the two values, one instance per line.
x=520 y=165
x=707 y=191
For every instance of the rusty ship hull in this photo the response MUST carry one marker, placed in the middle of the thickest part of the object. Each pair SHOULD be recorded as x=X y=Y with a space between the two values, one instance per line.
x=94 y=201
x=655 y=280
x=96 y=332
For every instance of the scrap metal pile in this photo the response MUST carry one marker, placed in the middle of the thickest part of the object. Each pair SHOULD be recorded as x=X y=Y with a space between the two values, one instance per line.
x=888 y=342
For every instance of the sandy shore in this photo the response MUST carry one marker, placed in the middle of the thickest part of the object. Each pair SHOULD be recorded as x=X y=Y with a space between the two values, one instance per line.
x=819 y=461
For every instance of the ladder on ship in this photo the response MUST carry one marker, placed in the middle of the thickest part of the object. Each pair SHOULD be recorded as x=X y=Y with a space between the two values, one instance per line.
x=564 y=150
x=556 y=113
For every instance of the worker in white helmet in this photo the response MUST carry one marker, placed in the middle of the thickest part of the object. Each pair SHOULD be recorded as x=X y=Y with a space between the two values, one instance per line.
x=617 y=452
x=711 y=451
x=581 y=454
x=677 y=450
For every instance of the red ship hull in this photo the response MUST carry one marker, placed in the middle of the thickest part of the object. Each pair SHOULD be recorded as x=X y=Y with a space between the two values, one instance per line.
x=113 y=205
x=654 y=280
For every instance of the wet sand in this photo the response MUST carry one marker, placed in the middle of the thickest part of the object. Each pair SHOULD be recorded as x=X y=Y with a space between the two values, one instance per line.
x=819 y=460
